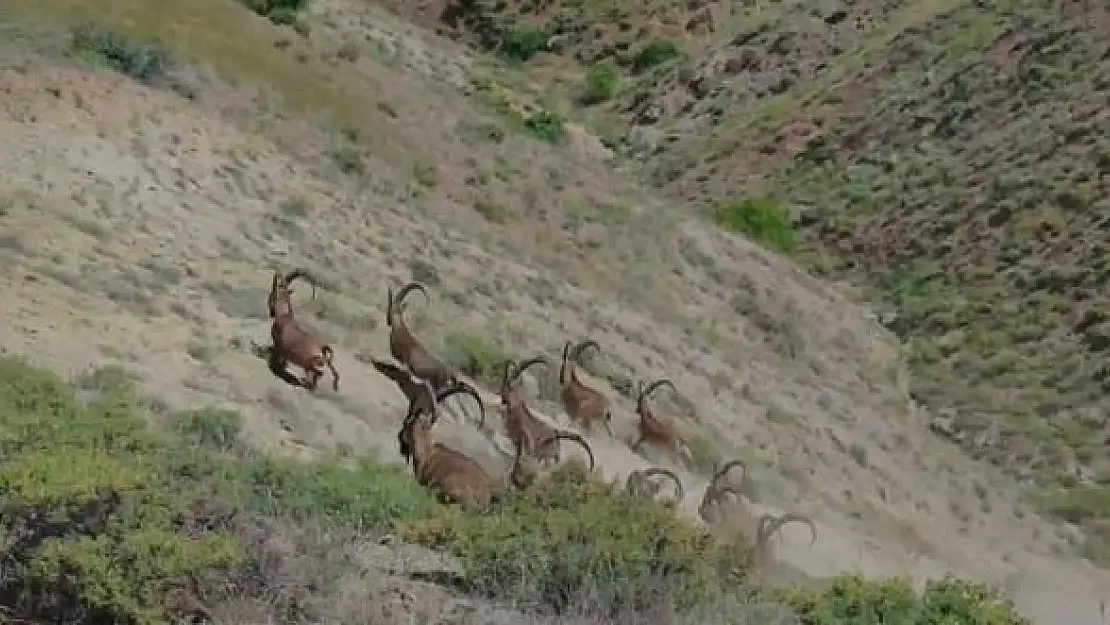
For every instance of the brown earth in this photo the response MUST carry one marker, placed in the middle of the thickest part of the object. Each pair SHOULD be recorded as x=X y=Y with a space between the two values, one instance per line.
x=141 y=223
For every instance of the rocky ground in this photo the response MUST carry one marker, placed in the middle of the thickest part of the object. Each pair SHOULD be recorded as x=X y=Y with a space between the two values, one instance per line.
x=147 y=198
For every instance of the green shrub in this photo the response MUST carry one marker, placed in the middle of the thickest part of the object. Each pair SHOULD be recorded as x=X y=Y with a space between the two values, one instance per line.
x=602 y=81
x=655 y=53
x=850 y=600
x=762 y=220
x=282 y=12
x=571 y=537
x=103 y=518
x=521 y=44
x=546 y=126
x=475 y=357
x=141 y=62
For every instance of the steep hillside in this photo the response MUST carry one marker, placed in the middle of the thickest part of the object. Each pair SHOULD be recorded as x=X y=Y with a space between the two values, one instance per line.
x=949 y=157
x=161 y=159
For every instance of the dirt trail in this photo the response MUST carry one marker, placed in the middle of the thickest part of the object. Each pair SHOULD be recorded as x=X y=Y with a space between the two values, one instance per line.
x=140 y=229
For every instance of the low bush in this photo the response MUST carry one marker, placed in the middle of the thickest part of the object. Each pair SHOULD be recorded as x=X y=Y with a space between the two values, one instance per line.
x=571 y=536
x=763 y=220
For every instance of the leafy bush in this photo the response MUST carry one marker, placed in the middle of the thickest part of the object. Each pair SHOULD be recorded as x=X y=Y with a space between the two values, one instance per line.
x=103 y=519
x=546 y=126
x=762 y=220
x=283 y=12
x=475 y=357
x=655 y=53
x=144 y=63
x=571 y=537
x=851 y=600
x=601 y=84
x=521 y=44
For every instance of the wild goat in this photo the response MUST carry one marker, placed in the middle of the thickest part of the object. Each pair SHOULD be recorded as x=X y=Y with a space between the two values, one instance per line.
x=407 y=349
x=640 y=484
x=413 y=389
x=455 y=477
x=712 y=507
x=583 y=404
x=654 y=430
x=528 y=433
x=714 y=499
x=292 y=341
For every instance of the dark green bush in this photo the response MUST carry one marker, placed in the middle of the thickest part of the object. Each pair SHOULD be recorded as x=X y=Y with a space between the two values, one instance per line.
x=602 y=81
x=655 y=53
x=144 y=63
x=546 y=126
x=521 y=44
x=283 y=12
x=763 y=220
x=851 y=600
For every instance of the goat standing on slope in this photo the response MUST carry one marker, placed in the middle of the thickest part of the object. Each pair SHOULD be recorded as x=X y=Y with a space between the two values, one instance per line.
x=292 y=341
x=527 y=432
x=583 y=404
x=641 y=485
x=656 y=431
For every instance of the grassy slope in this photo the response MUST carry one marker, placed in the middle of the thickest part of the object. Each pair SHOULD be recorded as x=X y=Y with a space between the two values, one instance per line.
x=950 y=158
x=178 y=308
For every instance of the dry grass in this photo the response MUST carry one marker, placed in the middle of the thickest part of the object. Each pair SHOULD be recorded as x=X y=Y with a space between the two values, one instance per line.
x=158 y=218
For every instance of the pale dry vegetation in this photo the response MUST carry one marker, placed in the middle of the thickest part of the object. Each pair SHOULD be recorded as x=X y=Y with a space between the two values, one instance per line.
x=153 y=180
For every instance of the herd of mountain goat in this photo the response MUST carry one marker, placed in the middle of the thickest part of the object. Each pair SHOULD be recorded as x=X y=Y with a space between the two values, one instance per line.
x=426 y=381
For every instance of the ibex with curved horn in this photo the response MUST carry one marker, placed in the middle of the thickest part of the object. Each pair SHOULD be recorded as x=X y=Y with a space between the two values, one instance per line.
x=455 y=477
x=712 y=504
x=583 y=404
x=640 y=484
x=654 y=430
x=292 y=341
x=407 y=349
x=413 y=389
x=528 y=433
x=712 y=507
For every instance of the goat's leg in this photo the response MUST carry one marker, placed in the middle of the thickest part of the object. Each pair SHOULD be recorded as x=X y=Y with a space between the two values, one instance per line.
x=312 y=377
x=278 y=368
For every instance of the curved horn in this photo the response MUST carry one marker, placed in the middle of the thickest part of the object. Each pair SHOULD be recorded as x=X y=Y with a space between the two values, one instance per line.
x=271 y=300
x=714 y=482
x=576 y=353
x=647 y=390
x=531 y=362
x=563 y=367
x=769 y=524
x=577 y=438
x=462 y=387
x=304 y=274
x=680 y=492
x=396 y=301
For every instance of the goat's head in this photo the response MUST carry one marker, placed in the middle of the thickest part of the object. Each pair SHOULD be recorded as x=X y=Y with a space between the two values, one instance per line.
x=423 y=411
x=280 y=301
x=647 y=389
x=571 y=355
x=395 y=303
x=511 y=376
x=639 y=485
